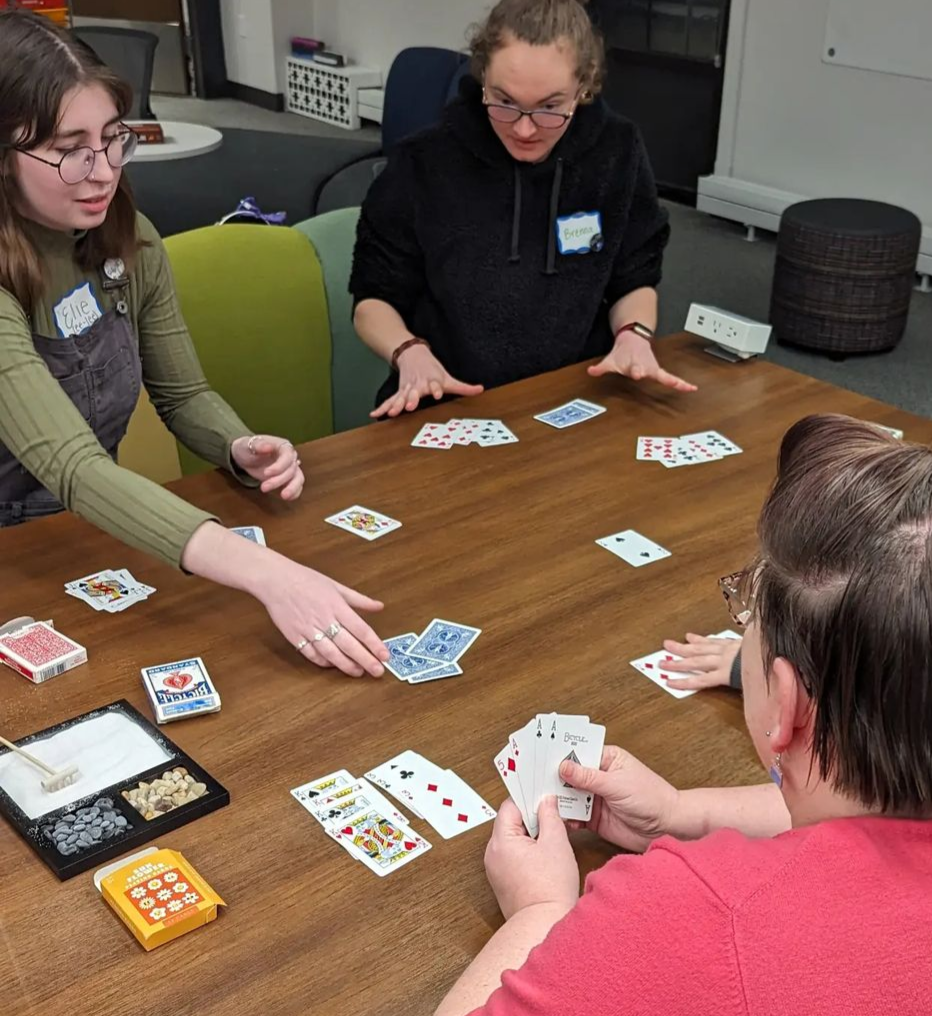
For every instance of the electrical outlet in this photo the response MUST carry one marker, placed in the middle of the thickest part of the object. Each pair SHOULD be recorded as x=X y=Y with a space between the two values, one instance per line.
x=741 y=337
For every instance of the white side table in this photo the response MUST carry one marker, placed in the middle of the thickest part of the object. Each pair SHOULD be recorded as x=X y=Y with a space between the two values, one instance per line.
x=182 y=141
x=327 y=93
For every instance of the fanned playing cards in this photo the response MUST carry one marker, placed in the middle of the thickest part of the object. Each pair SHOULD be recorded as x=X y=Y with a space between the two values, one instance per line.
x=443 y=436
x=433 y=654
x=686 y=450
x=529 y=764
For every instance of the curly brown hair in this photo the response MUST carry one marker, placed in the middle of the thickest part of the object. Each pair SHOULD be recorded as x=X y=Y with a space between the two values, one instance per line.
x=542 y=23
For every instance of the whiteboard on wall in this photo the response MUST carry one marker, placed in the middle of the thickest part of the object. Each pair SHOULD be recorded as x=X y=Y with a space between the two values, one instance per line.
x=890 y=36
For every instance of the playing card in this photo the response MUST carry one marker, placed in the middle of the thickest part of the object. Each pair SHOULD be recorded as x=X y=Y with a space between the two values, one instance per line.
x=494 y=432
x=348 y=801
x=444 y=670
x=570 y=413
x=451 y=806
x=323 y=786
x=433 y=435
x=399 y=775
x=632 y=547
x=444 y=641
x=727 y=634
x=528 y=744
x=401 y=663
x=105 y=590
x=364 y=522
x=382 y=843
x=506 y=765
x=253 y=533
x=713 y=441
x=576 y=740
x=653 y=449
x=652 y=667
x=700 y=452
x=464 y=431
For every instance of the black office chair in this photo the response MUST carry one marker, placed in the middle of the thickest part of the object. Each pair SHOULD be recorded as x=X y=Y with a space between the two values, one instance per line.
x=129 y=53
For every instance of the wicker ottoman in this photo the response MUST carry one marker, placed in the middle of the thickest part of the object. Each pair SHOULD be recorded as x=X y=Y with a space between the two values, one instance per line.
x=844 y=275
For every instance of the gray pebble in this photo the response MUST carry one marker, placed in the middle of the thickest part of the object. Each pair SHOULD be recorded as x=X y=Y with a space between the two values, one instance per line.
x=68 y=819
x=104 y=802
x=120 y=822
x=95 y=834
x=63 y=848
x=79 y=827
x=60 y=837
x=72 y=838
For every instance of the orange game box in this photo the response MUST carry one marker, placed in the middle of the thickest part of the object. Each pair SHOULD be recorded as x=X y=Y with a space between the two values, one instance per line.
x=158 y=895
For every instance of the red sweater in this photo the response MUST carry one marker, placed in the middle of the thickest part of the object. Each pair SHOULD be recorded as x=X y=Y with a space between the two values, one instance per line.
x=831 y=919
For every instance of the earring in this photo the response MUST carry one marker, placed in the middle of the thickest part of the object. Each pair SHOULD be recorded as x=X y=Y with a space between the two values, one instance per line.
x=776 y=770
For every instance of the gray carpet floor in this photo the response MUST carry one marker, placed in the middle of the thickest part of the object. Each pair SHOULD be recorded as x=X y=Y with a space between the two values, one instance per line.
x=709 y=261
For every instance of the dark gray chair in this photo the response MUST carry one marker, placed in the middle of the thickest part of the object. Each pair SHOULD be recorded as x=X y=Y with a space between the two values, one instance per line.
x=129 y=53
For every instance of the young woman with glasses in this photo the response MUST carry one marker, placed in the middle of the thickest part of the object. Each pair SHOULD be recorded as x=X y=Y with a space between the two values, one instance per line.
x=88 y=316
x=520 y=235
x=809 y=893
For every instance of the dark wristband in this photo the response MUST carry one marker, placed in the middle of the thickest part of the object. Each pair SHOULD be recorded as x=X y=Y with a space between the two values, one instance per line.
x=734 y=679
x=407 y=345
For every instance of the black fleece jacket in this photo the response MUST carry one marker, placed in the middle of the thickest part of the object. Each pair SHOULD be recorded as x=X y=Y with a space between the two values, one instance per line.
x=460 y=238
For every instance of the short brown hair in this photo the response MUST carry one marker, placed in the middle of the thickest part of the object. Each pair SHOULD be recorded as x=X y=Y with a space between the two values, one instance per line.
x=39 y=64
x=844 y=593
x=542 y=23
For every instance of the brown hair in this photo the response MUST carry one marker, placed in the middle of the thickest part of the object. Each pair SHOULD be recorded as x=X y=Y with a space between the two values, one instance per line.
x=39 y=64
x=844 y=592
x=542 y=23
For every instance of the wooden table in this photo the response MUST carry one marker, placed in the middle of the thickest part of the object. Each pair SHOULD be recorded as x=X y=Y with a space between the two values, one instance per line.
x=501 y=538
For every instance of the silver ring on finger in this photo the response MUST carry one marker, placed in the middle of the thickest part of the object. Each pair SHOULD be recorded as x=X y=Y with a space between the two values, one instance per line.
x=319 y=636
x=251 y=444
x=333 y=630
x=300 y=646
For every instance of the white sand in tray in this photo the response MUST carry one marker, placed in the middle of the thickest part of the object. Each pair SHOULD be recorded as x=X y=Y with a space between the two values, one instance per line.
x=107 y=749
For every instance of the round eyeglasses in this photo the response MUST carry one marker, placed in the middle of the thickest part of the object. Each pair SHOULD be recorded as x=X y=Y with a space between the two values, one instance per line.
x=547 y=119
x=78 y=164
x=740 y=594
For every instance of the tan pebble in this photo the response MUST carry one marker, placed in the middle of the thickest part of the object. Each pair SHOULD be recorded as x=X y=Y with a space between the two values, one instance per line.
x=182 y=770
x=167 y=775
x=149 y=815
x=179 y=798
x=143 y=785
x=189 y=779
x=198 y=788
x=125 y=795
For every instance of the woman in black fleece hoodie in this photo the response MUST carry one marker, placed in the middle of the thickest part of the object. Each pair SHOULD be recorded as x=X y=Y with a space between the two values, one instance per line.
x=520 y=235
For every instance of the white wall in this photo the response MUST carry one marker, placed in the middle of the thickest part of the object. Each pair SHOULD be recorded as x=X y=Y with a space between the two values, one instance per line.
x=248 y=43
x=256 y=33
x=256 y=36
x=372 y=32
x=793 y=126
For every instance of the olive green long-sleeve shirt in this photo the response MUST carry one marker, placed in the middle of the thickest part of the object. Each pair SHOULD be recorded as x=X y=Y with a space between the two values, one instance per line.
x=48 y=435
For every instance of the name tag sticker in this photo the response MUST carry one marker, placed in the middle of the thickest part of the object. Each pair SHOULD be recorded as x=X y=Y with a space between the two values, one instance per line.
x=580 y=233
x=77 y=311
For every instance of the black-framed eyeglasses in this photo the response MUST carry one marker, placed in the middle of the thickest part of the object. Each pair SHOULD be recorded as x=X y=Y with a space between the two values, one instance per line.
x=77 y=165
x=739 y=590
x=547 y=119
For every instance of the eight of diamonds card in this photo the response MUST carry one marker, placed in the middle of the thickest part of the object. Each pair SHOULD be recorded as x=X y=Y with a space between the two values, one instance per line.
x=179 y=690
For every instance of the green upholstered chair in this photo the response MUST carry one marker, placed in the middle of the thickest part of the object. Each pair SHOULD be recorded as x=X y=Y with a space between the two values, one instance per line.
x=357 y=373
x=254 y=301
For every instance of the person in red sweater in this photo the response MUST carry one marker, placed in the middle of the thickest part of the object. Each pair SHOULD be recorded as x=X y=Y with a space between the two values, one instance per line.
x=810 y=894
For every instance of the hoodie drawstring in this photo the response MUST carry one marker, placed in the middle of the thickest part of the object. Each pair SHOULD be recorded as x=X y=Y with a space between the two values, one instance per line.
x=551 y=268
x=516 y=220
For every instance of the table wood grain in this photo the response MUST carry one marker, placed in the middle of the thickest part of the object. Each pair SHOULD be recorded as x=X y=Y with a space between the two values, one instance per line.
x=502 y=538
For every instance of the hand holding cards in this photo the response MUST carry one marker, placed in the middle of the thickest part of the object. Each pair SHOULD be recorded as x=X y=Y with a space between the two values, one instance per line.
x=529 y=764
